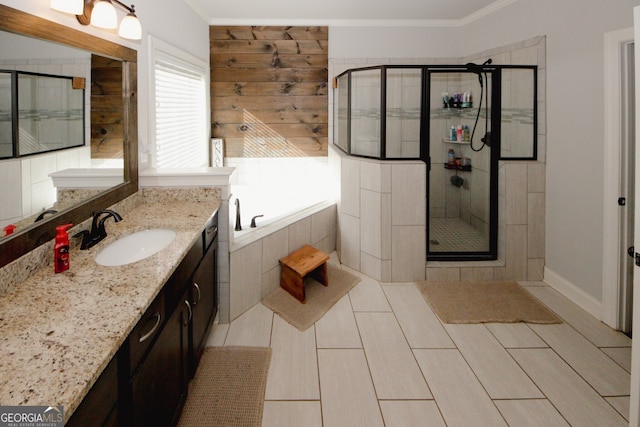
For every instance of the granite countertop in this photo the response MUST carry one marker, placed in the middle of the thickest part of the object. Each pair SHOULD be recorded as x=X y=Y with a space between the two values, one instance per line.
x=59 y=331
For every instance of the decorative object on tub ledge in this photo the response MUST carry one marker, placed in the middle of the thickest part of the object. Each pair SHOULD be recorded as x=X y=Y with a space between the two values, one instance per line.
x=217 y=152
x=485 y=302
x=319 y=298
x=102 y=14
x=228 y=389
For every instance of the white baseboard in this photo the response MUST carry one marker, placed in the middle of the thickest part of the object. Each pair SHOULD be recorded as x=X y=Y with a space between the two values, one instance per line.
x=573 y=292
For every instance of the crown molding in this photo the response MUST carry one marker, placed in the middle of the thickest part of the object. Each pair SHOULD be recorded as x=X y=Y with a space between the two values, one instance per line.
x=441 y=23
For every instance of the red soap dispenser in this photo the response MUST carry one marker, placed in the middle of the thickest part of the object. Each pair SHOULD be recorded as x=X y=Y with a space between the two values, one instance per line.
x=9 y=229
x=61 y=248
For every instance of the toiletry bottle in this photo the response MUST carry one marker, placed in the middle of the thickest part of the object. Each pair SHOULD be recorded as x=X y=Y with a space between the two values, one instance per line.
x=9 y=229
x=459 y=133
x=452 y=134
x=465 y=133
x=451 y=157
x=61 y=248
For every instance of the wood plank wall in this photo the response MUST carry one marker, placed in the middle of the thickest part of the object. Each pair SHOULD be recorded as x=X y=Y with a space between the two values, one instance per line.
x=106 y=108
x=269 y=90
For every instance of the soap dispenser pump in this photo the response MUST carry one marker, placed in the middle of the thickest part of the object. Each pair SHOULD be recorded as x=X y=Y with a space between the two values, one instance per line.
x=61 y=248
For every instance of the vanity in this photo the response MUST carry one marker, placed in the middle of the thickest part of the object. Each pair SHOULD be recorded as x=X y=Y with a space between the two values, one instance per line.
x=113 y=345
x=117 y=345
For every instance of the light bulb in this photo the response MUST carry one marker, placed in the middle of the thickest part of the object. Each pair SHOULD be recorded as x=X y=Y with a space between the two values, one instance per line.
x=104 y=15
x=74 y=7
x=130 y=27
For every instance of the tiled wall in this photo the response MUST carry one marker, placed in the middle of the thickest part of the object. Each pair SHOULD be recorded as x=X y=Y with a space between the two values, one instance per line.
x=254 y=267
x=382 y=225
x=366 y=212
x=25 y=184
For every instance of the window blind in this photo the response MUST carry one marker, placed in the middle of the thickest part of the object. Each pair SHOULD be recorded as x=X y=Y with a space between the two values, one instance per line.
x=181 y=139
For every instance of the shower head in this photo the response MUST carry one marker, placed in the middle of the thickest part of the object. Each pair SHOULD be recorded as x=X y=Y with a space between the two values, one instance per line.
x=477 y=69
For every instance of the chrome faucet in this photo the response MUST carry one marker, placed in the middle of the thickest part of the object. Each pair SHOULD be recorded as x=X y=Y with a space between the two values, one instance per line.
x=98 y=232
x=238 y=222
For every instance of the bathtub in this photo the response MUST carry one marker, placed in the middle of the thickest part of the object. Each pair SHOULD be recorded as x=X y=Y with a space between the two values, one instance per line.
x=277 y=209
x=287 y=224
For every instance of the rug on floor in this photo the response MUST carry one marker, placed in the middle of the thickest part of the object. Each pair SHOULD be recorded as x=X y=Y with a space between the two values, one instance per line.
x=485 y=302
x=228 y=388
x=319 y=298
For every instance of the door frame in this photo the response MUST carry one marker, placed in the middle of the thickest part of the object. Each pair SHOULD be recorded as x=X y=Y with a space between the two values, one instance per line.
x=613 y=62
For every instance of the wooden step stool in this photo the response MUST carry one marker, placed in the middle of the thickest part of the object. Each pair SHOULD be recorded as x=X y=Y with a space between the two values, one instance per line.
x=297 y=265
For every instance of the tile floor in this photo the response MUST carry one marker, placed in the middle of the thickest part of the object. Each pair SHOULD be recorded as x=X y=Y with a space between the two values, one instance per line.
x=381 y=357
x=456 y=235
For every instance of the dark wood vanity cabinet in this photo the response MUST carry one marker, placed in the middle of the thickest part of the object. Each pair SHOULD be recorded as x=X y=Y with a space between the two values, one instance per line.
x=160 y=357
x=159 y=384
x=100 y=405
x=203 y=297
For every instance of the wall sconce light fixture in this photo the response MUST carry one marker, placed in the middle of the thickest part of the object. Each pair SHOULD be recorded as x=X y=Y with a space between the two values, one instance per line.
x=102 y=14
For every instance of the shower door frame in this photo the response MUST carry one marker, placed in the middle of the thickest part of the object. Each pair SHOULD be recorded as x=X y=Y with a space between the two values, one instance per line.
x=496 y=108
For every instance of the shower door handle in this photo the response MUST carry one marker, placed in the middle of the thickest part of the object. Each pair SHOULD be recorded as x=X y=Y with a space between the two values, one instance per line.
x=633 y=254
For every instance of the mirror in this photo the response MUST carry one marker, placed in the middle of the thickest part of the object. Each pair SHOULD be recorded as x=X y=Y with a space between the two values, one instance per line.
x=34 y=234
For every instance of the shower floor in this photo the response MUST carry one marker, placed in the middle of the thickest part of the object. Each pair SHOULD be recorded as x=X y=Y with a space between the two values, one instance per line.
x=455 y=235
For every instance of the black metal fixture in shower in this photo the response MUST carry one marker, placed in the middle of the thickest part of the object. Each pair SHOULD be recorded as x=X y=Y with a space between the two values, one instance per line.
x=482 y=77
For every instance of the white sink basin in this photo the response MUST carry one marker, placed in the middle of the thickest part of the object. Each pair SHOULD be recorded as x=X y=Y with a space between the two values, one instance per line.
x=135 y=247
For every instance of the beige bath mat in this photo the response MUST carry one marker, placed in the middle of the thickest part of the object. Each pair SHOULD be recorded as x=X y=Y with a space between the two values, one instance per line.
x=319 y=298
x=228 y=389
x=485 y=302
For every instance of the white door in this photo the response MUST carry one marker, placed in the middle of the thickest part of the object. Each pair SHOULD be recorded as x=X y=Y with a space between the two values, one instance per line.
x=627 y=196
x=634 y=415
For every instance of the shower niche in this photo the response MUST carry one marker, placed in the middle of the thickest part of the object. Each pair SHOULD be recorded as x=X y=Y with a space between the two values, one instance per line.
x=461 y=120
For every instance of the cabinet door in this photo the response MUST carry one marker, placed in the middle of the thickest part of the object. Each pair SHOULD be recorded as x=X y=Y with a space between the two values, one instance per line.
x=99 y=407
x=204 y=302
x=159 y=386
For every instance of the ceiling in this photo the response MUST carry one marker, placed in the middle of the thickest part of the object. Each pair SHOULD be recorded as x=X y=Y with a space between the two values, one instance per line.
x=345 y=12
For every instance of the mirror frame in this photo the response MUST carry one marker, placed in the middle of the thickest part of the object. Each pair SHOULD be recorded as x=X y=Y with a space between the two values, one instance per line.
x=29 y=238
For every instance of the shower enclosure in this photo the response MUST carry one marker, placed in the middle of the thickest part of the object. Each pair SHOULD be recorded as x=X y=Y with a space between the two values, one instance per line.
x=461 y=120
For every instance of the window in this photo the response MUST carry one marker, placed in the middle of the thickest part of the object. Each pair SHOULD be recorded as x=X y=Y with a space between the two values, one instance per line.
x=178 y=88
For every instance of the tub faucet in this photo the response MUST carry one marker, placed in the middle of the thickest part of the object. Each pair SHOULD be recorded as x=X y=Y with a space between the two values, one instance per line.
x=238 y=225
x=253 y=220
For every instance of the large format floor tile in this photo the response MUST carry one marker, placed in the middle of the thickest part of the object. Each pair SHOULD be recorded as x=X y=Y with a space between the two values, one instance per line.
x=494 y=367
x=381 y=357
x=393 y=367
x=530 y=413
x=337 y=328
x=515 y=335
x=368 y=295
x=252 y=328
x=400 y=413
x=598 y=369
x=458 y=393
x=291 y=413
x=348 y=396
x=578 y=403
x=418 y=322
x=293 y=373
x=592 y=329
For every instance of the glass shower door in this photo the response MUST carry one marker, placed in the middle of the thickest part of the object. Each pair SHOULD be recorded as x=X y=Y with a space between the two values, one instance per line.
x=462 y=185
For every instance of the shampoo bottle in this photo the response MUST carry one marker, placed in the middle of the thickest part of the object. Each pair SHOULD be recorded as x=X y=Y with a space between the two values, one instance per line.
x=61 y=248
